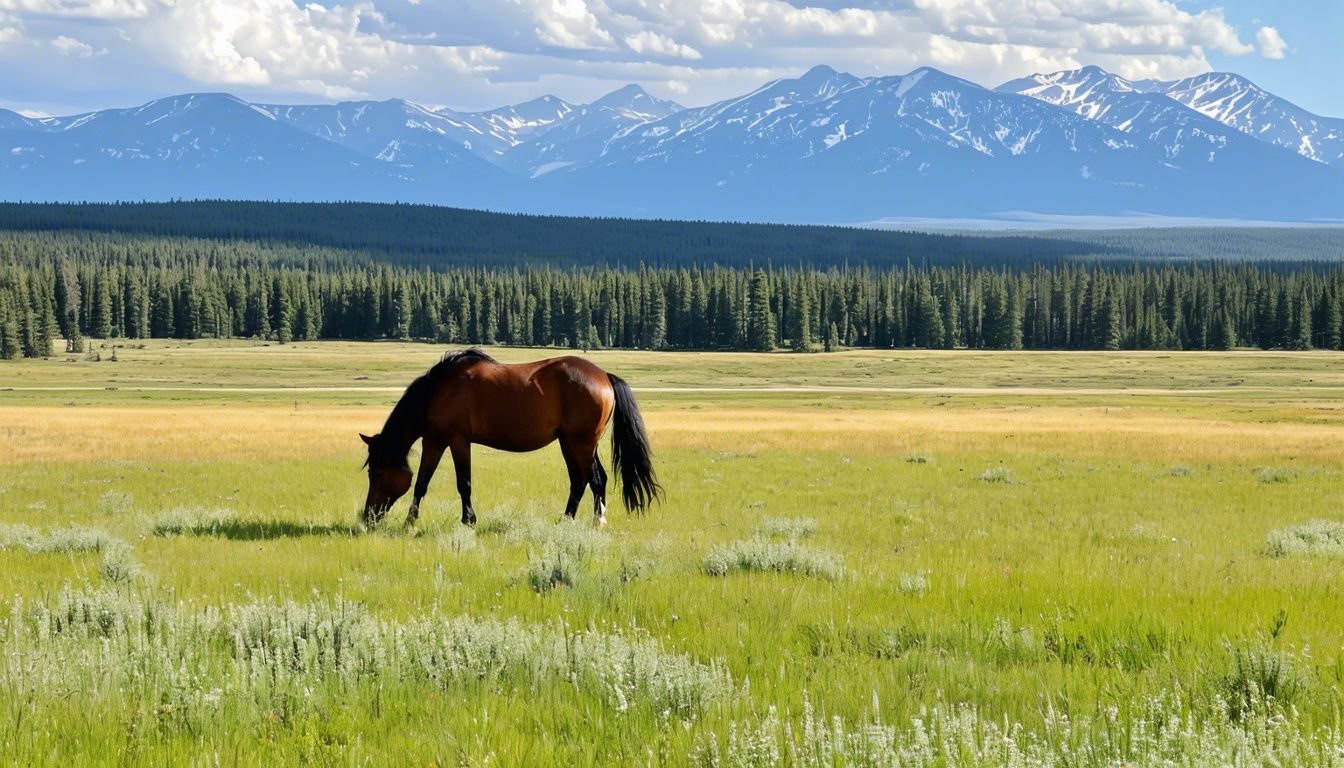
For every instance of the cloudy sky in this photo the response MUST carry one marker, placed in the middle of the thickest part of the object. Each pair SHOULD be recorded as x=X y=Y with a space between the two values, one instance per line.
x=64 y=56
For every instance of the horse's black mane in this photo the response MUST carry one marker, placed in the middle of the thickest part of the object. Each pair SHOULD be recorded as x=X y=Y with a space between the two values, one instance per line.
x=415 y=400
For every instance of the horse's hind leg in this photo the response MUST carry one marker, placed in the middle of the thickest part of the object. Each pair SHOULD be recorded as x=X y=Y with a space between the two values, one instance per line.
x=599 y=486
x=579 y=461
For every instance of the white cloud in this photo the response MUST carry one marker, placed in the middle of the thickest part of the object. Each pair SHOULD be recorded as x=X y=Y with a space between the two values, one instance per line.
x=1272 y=45
x=313 y=49
x=106 y=10
x=653 y=44
x=69 y=46
x=473 y=53
x=10 y=28
x=569 y=24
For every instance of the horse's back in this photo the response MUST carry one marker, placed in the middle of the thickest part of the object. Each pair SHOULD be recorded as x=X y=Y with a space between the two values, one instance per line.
x=523 y=406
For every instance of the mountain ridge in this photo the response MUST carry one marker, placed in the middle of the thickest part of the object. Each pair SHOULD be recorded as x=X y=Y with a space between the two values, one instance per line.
x=826 y=146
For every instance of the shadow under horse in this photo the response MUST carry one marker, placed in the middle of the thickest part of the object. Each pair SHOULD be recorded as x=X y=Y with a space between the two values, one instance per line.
x=469 y=398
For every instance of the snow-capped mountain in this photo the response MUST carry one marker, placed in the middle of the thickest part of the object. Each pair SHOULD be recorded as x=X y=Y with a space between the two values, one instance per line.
x=12 y=120
x=826 y=146
x=833 y=146
x=510 y=126
x=395 y=131
x=1138 y=110
x=1237 y=102
x=582 y=134
x=1225 y=100
x=198 y=146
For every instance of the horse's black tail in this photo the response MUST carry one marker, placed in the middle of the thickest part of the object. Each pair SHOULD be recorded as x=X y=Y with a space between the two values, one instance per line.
x=631 y=457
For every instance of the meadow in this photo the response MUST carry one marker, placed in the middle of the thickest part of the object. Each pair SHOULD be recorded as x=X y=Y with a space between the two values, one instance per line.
x=865 y=558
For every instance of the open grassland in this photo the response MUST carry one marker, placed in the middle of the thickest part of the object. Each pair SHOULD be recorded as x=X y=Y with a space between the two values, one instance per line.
x=1052 y=572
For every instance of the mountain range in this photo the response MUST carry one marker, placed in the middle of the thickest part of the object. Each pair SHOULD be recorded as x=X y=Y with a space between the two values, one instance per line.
x=824 y=147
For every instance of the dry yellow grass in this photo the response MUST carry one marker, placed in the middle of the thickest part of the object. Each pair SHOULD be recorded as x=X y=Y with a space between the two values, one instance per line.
x=207 y=432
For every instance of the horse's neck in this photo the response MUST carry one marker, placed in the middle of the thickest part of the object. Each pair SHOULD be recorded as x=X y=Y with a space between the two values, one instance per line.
x=403 y=429
x=403 y=438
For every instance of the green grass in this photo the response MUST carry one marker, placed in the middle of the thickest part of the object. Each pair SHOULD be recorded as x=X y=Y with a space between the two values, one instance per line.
x=1123 y=592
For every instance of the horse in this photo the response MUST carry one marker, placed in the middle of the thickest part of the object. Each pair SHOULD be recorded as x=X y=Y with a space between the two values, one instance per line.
x=470 y=398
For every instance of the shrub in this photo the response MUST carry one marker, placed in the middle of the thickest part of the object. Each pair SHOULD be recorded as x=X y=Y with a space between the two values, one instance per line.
x=564 y=549
x=75 y=538
x=458 y=539
x=279 y=656
x=1270 y=475
x=118 y=565
x=914 y=584
x=996 y=475
x=116 y=503
x=513 y=525
x=184 y=521
x=1165 y=730
x=1261 y=680
x=792 y=528
x=765 y=556
x=639 y=565
x=1315 y=537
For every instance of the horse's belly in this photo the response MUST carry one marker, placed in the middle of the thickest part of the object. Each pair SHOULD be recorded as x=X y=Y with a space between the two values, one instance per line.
x=515 y=443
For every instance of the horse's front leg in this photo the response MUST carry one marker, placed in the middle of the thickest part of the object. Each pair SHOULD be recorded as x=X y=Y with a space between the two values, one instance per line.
x=461 y=449
x=431 y=452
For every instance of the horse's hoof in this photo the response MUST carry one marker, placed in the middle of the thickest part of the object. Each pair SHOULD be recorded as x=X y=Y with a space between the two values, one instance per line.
x=600 y=522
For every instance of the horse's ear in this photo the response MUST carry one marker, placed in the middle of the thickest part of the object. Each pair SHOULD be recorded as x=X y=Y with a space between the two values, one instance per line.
x=367 y=440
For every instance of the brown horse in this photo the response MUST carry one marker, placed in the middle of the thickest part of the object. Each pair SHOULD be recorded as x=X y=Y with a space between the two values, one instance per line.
x=468 y=398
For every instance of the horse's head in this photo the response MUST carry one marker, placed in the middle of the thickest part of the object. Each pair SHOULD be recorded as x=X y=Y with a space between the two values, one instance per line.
x=389 y=478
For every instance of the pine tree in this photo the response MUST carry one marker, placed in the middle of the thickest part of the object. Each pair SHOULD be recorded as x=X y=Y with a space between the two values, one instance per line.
x=760 y=321
x=929 y=321
x=655 y=318
x=488 y=324
x=401 y=312
x=1108 y=320
x=1224 y=335
x=10 y=346
x=161 y=312
x=44 y=318
x=102 y=308
x=800 y=327
x=68 y=296
x=1332 y=333
x=1300 y=334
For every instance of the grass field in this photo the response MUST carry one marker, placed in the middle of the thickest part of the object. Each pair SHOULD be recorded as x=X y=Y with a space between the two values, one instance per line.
x=869 y=558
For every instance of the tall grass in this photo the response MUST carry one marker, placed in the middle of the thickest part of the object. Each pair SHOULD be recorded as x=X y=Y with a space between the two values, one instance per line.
x=261 y=655
x=1162 y=730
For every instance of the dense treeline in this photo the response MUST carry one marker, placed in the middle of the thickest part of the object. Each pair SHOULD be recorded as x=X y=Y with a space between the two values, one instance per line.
x=62 y=286
x=423 y=235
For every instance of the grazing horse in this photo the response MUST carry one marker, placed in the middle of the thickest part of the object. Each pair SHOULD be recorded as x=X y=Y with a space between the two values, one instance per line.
x=468 y=398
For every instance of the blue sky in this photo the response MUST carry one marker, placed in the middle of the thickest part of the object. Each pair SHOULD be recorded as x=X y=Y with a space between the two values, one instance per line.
x=1310 y=73
x=65 y=56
